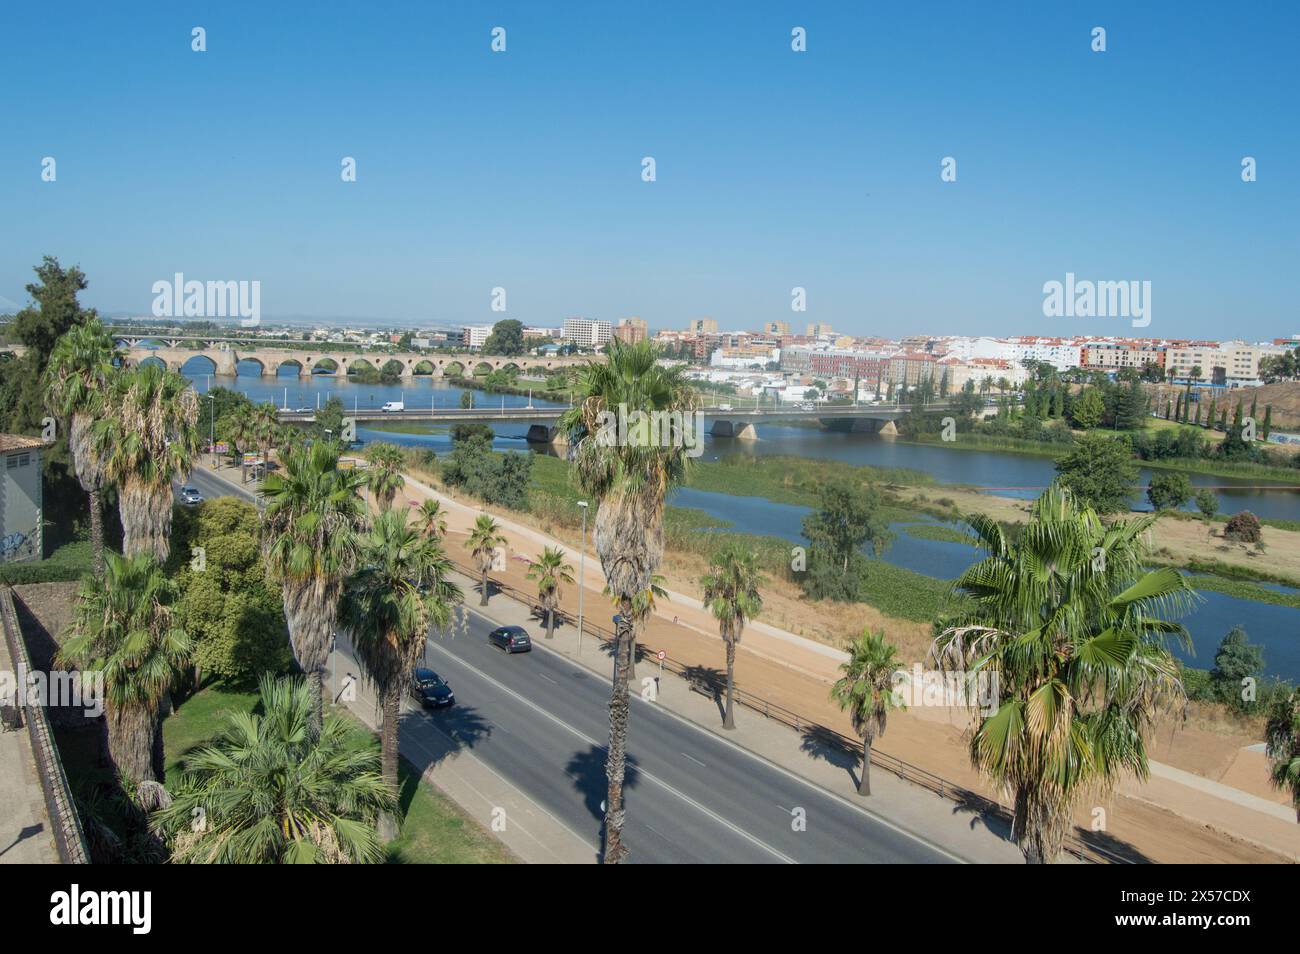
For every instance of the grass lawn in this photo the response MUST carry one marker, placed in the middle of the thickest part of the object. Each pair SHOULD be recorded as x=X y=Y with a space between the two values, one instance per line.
x=434 y=829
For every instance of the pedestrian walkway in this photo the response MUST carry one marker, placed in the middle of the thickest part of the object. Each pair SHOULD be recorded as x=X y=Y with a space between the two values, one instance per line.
x=26 y=837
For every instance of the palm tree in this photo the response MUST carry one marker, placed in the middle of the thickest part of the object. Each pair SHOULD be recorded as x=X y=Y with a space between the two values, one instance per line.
x=629 y=471
x=265 y=430
x=147 y=438
x=80 y=369
x=242 y=430
x=431 y=519
x=550 y=570
x=1282 y=735
x=866 y=691
x=1071 y=631
x=124 y=628
x=313 y=514
x=731 y=595
x=400 y=590
x=484 y=542
x=272 y=789
x=643 y=607
x=384 y=475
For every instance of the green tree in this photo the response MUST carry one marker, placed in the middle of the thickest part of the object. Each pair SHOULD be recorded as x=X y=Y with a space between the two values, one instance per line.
x=1088 y=409
x=431 y=518
x=848 y=517
x=384 y=473
x=1236 y=661
x=1074 y=629
x=233 y=614
x=866 y=691
x=1100 y=472
x=629 y=480
x=1207 y=503
x=549 y=571
x=147 y=438
x=125 y=629
x=731 y=595
x=484 y=542
x=79 y=372
x=1169 y=490
x=275 y=789
x=400 y=589
x=507 y=338
x=313 y=515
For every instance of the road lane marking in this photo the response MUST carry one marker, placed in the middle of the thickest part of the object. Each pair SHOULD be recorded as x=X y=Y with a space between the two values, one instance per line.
x=703 y=809
x=695 y=760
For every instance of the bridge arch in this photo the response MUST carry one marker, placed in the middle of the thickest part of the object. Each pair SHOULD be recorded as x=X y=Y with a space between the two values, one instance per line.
x=423 y=368
x=482 y=368
x=298 y=367
x=454 y=368
x=247 y=359
x=151 y=359
x=325 y=366
x=357 y=365
x=199 y=364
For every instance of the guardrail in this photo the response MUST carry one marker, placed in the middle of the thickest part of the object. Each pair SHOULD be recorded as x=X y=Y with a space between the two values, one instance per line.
x=824 y=734
x=68 y=836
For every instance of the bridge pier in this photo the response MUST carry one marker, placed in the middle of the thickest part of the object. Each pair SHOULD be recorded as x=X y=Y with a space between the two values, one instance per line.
x=547 y=434
x=741 y=430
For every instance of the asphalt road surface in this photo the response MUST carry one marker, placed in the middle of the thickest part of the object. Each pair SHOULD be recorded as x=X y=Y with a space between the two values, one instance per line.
x=542 y=722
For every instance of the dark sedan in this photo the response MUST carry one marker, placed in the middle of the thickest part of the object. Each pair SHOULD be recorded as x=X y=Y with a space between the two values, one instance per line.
x=513 y=639
x=430 y=688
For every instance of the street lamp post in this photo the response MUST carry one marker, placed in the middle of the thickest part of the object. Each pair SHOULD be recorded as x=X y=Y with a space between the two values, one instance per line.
x=212 y=427
x=582 y=571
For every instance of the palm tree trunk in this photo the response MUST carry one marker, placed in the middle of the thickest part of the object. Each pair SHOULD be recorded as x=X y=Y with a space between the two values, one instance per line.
x=131 y=731
x=96 y=533
x=729 y=719
x=550 y=622
x=864 y=783
x=316 y=682
x=616 y=764
x=392 y=706
x=483 y=598
x=1037 y=829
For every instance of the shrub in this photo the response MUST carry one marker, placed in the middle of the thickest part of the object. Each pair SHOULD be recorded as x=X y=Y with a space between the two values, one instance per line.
x=1207 y=503
x=1242 y=528
x=1169 y=491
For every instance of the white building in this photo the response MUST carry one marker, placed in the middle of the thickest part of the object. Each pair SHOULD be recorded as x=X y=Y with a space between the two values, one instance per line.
x=588 y=333
x=475 y=335
x=1232 y=363
x=21 y=506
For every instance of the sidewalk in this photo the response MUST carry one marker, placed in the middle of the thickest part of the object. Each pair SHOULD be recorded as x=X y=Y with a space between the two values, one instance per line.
x=1166 y=820
x=26 y=836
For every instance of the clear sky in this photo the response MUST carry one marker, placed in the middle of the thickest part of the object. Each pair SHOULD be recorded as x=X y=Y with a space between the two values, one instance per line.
x=775 y=169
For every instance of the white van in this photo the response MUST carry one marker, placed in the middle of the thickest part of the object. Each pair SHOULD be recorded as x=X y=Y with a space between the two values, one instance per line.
x=393 y=406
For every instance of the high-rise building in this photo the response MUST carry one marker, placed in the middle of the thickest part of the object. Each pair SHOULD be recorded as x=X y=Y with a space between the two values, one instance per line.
x=475 y=335
x=587 y=333
x=777 y=328
x=818 y=328
x=631 y=330
x=703 y=326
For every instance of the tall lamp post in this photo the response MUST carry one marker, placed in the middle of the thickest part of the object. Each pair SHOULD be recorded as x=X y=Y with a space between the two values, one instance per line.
x=582 y=571
x=212 y=427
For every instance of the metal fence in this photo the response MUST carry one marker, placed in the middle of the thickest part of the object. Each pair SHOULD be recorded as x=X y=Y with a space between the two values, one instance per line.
x=715 y=684
x=68 y=836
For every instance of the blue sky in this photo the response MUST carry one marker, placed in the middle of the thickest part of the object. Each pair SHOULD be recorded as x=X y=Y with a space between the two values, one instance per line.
x=775 y=169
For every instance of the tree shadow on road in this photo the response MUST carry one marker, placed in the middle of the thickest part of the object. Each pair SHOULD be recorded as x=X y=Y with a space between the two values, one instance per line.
x=428 y=737
x=587 y=771
x=820 y=744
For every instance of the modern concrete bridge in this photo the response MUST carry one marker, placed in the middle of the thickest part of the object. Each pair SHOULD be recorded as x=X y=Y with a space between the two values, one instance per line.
x=409 y=365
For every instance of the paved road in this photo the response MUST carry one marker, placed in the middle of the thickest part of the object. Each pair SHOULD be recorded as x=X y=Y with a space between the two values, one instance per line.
x=542 y=722
x=212 y=487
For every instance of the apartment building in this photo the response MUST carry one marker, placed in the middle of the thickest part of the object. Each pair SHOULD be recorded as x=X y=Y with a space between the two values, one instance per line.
x=910 y=367
x=473 y=336
x=587 y=333
x=1124 y=354
x=703 y=326
x=631 y=330
x=744 y=356
x=819 y=329
x=1061 y=353
x=776 y=328
x=1227 y=363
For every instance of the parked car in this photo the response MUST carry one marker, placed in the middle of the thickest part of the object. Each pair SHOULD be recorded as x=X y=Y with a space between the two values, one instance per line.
x=393 y=406
x=513 y=639
x=190 y=496
x=304 y=410
x=431 y=689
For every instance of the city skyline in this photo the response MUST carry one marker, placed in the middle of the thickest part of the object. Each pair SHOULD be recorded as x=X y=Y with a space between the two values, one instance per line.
x=775 y=170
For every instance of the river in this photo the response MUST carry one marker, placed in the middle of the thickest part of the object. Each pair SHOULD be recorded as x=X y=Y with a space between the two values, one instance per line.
x=1013 y=475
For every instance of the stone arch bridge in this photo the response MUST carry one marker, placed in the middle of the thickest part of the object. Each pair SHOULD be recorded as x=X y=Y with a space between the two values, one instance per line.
x=409 y=365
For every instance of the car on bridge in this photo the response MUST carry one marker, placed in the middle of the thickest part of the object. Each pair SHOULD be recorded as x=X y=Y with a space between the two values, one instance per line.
x=393 y=406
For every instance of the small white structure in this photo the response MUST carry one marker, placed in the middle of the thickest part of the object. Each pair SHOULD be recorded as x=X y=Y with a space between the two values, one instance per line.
x=21 y=506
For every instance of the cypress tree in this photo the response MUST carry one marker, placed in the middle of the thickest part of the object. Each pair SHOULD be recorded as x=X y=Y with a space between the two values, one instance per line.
x=1268 y=421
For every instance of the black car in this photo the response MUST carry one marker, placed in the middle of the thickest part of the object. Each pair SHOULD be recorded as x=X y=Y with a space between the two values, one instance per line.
x=430 y=689
x=513 y=639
